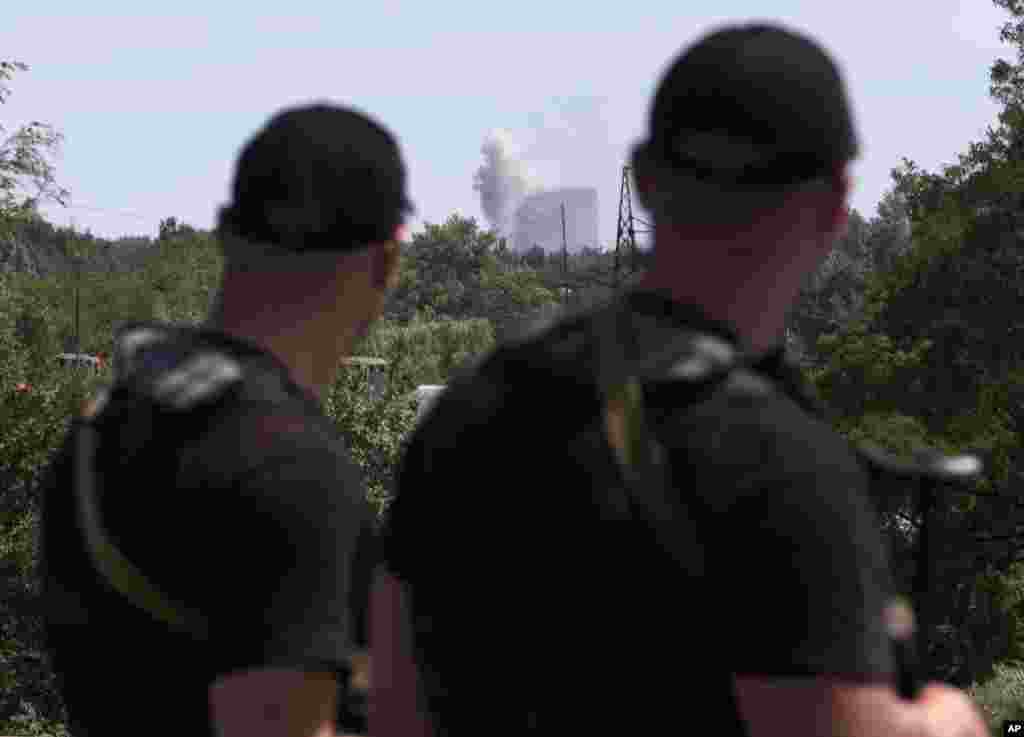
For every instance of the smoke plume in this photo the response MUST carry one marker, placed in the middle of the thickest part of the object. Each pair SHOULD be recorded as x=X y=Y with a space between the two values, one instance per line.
x=503 y=180
x=565 y=144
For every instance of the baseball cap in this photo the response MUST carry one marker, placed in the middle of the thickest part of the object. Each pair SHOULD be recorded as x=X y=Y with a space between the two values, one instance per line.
x=318 y=177
x=749 y=108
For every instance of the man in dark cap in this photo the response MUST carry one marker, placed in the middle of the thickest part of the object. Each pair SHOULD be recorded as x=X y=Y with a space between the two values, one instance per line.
x=205 y=528
x=724 y=576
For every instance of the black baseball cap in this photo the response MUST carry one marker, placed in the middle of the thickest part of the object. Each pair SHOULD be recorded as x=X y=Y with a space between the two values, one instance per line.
x=318 y=177
x=749 y=109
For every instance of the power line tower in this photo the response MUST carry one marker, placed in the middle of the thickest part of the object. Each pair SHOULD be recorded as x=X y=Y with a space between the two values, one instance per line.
x=625 y=232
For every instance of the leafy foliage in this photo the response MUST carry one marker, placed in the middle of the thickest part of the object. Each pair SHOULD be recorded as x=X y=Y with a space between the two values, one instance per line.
x=375 y=431
x=1000 y=698
x=457 y=271
x=935 y=356
x=25 y=162
x=427 y=351
x=31 y=425
x=421 y=352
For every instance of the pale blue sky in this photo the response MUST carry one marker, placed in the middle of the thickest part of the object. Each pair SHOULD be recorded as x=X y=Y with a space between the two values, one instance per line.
x=154 y=106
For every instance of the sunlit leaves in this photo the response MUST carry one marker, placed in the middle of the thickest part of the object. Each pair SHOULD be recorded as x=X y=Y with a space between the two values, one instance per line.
x=27 y=174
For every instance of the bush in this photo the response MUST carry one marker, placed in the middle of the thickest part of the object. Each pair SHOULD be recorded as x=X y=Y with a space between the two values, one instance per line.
x=32 y=424
x=419 y=353
x=425 y=351
x=375 y=430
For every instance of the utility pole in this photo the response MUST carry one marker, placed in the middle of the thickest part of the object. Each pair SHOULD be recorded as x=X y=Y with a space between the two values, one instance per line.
x=78 y=281
x=931 y=471
x=923 y=575
x=953 y=470
x=565 y=262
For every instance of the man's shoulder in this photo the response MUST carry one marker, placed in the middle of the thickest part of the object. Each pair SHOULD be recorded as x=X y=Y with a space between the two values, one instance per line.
x=561 y=363
x=233 y=409
x=749 y=423
x=254 y=439
x=560 y=345
x=549 y=360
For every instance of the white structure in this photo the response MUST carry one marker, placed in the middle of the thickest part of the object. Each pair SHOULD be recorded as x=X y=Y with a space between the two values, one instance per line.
x=376 y=373
x=538 y=220
x=425 y=397
x=79 y=360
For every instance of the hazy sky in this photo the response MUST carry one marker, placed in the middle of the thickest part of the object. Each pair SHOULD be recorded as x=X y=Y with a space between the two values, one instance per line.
x=155 y=106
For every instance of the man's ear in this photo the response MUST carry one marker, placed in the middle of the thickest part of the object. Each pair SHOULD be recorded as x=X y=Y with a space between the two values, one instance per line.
x=386 y=265
x=393 y=251
x=840 y=214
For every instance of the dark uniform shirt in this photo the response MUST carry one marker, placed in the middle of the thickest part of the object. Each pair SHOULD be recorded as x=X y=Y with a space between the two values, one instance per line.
x=257 y=527
x=529 y=608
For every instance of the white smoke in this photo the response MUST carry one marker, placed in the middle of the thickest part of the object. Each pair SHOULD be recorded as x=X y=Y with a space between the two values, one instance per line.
x=503 y=180
x=567 y=144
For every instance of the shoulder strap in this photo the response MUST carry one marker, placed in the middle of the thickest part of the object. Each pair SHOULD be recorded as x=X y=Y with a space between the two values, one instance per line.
x=624 y=366
x=117 y=570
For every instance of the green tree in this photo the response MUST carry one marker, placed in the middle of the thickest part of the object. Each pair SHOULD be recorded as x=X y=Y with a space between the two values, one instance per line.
x=183 y=276
x=936 y=356
x=452 y=249
x=31 y=305
x=457 y=271
x=27 y=175
x=509 y=298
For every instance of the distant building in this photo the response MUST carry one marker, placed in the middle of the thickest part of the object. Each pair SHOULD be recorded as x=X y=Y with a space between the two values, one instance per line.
x=538 y=220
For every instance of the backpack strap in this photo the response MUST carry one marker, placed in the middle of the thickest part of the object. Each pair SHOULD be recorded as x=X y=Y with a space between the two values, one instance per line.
x=155 y=373
x=117 y=570
x=624 y=368
x=174 y=382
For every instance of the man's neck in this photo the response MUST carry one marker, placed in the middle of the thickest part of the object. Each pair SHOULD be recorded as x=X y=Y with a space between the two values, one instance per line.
x=309 y=351
x=755 y=315
x=747 y=278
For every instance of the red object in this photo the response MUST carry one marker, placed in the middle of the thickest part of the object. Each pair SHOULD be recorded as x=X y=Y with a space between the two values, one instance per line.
x=23 y=388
